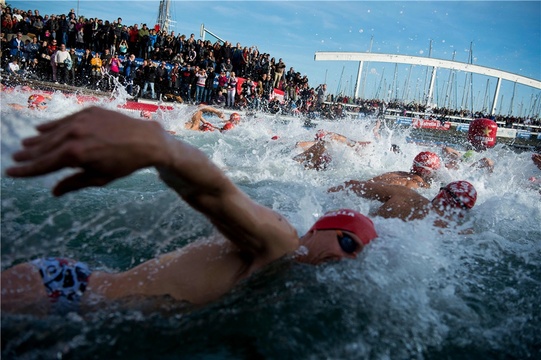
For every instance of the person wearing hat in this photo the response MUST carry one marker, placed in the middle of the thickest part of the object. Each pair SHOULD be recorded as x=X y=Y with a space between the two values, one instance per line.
x=104 y=146
x=199 y=123
x=234 y=119
x=451 y=202
x=423 y=170
x=315 y=154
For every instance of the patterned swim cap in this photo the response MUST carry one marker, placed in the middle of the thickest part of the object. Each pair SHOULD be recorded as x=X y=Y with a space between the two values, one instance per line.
x=458 y=194
x=425 y=163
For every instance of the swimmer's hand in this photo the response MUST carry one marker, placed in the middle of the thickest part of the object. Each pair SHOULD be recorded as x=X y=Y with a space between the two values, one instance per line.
x=103 y=145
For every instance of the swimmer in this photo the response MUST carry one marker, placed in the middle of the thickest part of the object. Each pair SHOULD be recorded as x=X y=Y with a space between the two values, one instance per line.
x=454 y=158
x=452 y=201
x=323 y=135
x=423 y=171
x=35 y=102
x=234 y=120
x=104 y=146
x=315 y=155
x=198 y=122
x=536 y=158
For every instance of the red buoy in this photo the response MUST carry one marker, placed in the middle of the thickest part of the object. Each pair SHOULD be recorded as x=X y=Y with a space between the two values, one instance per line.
x=482 y=134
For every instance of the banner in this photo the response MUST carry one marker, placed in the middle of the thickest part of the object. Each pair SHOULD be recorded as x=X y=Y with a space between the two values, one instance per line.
x=278 y=95
x=431 y=124
x=404 y=121
x=506 y=133
x=523 y=134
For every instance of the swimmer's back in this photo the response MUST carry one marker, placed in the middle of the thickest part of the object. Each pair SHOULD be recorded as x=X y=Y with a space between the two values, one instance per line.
x=407 y=179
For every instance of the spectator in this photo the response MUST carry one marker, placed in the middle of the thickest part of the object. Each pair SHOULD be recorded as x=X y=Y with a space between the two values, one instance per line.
x=201 y=76
x=162 y=79
x=16 y=46
x=73 y=71
x=130 y=67
x=13 y=67
x=231 y=90
x=85 y=67
x=149 y=76
x=279 y=73
x=31 y=49
x=61 y=58
x=96 y=69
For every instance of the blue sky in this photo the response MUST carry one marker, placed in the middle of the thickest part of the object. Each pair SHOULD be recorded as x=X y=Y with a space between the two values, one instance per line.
x=502 y=34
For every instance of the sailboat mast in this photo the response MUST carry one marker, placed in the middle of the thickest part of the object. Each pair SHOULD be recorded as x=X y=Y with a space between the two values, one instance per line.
x=163 y=15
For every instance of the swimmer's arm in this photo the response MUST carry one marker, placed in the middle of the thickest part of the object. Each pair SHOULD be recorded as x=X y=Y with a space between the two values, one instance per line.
x=104 y=145
x=536 y=158
x=346 y=140
x=484 y=163
x=209 y=124
x=255 y=229
x=375 y=131
x=451 y=153
x=371 y=190
x=210 y=109
x=398 y=201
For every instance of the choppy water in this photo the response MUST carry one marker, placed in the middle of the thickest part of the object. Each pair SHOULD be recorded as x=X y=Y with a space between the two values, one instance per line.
x=413 y=293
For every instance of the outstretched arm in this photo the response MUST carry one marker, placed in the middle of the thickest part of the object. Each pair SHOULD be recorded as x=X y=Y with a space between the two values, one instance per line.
x=343 y=139
x=536 y=158
x=398 y=201
x=105 y=145
x=371 y=190
x=210 y=109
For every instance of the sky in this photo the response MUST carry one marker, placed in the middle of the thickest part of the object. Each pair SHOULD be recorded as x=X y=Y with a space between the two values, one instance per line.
x=504 y=35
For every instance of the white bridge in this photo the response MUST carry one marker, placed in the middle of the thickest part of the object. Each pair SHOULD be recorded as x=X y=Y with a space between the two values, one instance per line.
x=434 y=63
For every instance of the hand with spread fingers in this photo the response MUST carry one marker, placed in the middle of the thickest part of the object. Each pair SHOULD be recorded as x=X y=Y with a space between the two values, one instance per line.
x=103 y=145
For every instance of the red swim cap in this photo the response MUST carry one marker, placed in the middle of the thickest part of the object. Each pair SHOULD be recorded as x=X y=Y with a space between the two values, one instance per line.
x=145 y=114
x=458 y=194
x=320 y=134
x=35 y=100
x=425 y=163
x=347 y=220
x=235 y=117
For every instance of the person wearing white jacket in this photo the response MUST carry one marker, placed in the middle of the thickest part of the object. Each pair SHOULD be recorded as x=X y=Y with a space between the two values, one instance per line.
x=60 y=58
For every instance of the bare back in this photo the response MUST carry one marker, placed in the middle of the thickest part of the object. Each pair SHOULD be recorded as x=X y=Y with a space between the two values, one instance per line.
x=407 y=179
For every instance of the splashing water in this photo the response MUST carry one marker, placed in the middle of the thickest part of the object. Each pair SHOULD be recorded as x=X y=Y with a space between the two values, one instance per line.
x=415 y=292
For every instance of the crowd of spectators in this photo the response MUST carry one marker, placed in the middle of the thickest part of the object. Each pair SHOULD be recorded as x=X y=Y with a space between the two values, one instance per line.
x=150 y=62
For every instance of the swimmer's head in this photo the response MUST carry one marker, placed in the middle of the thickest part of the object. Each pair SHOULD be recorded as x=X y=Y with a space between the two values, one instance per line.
x=425 y=163
x=36 y=101
x=458 y=195
x=395 y=148
x=468 y=155
x=348 y=220
x=320 y=134
x=145 y=114
x=234 y=118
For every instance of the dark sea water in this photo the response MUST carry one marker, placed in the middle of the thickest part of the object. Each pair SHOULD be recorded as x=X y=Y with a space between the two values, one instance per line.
x=414 y=293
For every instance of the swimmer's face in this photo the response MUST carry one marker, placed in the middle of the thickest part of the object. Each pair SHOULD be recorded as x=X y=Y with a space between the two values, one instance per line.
x=448 y=202
x=38 y=106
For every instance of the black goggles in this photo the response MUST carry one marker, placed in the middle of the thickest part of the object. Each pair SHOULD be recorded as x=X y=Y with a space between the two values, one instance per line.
x=346 y=242
x=455 y=197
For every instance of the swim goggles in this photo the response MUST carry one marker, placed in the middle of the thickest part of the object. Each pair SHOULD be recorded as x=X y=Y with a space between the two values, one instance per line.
x=346 y=242
x=455 y=197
